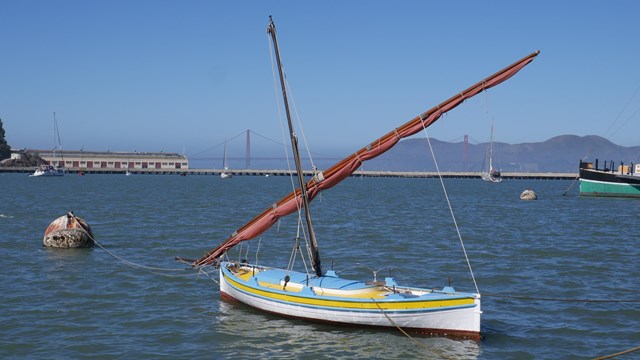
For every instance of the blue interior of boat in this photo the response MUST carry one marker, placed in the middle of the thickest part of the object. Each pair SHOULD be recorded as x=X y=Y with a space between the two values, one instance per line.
x=275 y=276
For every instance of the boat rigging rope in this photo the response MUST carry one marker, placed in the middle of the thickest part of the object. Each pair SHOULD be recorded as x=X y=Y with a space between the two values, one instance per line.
x=464 y=250
x=282 y=131
x=293 y=103
x=258 y=249
x=607 y=135
x=295 y=110
x=284 y=141
x=304 y=138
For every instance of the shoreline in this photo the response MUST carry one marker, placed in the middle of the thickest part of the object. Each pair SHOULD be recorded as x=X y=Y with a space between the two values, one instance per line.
x=266 y=173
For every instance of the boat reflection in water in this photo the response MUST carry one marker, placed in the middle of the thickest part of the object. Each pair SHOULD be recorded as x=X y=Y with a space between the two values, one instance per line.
x=275 y=336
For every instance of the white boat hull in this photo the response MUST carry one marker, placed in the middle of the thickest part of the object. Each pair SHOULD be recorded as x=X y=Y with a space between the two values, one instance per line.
x=491 y=178
x=311 y=305
x=47 y=170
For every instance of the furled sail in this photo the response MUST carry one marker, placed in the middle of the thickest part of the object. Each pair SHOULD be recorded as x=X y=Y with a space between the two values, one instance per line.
x=338 y=172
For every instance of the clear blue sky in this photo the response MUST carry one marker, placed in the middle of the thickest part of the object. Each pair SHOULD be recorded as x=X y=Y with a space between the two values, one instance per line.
x=181 y=75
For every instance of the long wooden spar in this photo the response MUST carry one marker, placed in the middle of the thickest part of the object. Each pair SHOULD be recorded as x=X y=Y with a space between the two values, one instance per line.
x=338 y=172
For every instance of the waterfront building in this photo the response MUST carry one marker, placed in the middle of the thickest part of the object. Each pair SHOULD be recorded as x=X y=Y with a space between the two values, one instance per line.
x=109 y=160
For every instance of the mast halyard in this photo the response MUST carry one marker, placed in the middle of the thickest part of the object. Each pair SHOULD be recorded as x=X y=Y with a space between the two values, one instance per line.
x=224 y=155
x=57 y=144
x=315 y=261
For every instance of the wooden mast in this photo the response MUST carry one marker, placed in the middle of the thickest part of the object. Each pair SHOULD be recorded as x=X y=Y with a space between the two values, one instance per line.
x=315 y=261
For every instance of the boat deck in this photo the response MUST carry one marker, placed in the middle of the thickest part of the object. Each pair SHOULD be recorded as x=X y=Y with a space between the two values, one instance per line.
x=329 y=285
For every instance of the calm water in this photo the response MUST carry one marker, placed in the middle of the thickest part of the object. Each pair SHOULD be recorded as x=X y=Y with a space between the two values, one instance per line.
x=86 y=303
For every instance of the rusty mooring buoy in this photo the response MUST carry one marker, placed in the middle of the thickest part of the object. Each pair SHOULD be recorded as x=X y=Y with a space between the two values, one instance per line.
x=68 y=231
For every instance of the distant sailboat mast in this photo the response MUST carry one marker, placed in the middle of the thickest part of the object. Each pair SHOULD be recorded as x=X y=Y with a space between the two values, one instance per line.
x=225 y=173
x=224 y=155
x=315 y=261
x=56 y=141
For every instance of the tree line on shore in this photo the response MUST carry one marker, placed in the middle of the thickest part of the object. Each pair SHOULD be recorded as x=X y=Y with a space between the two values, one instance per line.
x=27 y=160
x=5 y=149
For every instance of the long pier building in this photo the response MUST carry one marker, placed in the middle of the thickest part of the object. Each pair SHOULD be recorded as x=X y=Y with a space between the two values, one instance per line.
x=108 y=160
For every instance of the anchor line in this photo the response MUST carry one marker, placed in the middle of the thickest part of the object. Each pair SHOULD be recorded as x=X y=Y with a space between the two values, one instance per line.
x=570 y=186
x=201 y=270
x=628 y=351
x=503 y=296
x=402 y=331
x=127 y=262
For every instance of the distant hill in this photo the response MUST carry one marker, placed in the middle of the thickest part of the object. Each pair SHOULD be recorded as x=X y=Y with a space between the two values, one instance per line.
x=558 y=154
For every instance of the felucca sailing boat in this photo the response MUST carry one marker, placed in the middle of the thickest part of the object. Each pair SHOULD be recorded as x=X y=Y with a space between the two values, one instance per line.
x=323 y=296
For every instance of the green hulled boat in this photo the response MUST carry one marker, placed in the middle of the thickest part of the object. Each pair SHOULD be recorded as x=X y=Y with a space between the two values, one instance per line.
x=620 y=181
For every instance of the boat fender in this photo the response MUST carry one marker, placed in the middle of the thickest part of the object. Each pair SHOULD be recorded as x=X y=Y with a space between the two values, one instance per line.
x=286 y=280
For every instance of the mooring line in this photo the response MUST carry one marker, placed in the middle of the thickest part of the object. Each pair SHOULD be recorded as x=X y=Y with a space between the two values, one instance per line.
x=570 y=186
x=201 y=270
x=130 y=263
x=560 y=299
x=628 y=351
x=404 y=332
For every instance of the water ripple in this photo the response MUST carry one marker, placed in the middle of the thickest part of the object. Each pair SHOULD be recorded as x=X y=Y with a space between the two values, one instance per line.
x=83 y=303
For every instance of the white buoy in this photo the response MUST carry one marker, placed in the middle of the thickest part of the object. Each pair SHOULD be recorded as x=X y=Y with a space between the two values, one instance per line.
x=528 y=194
